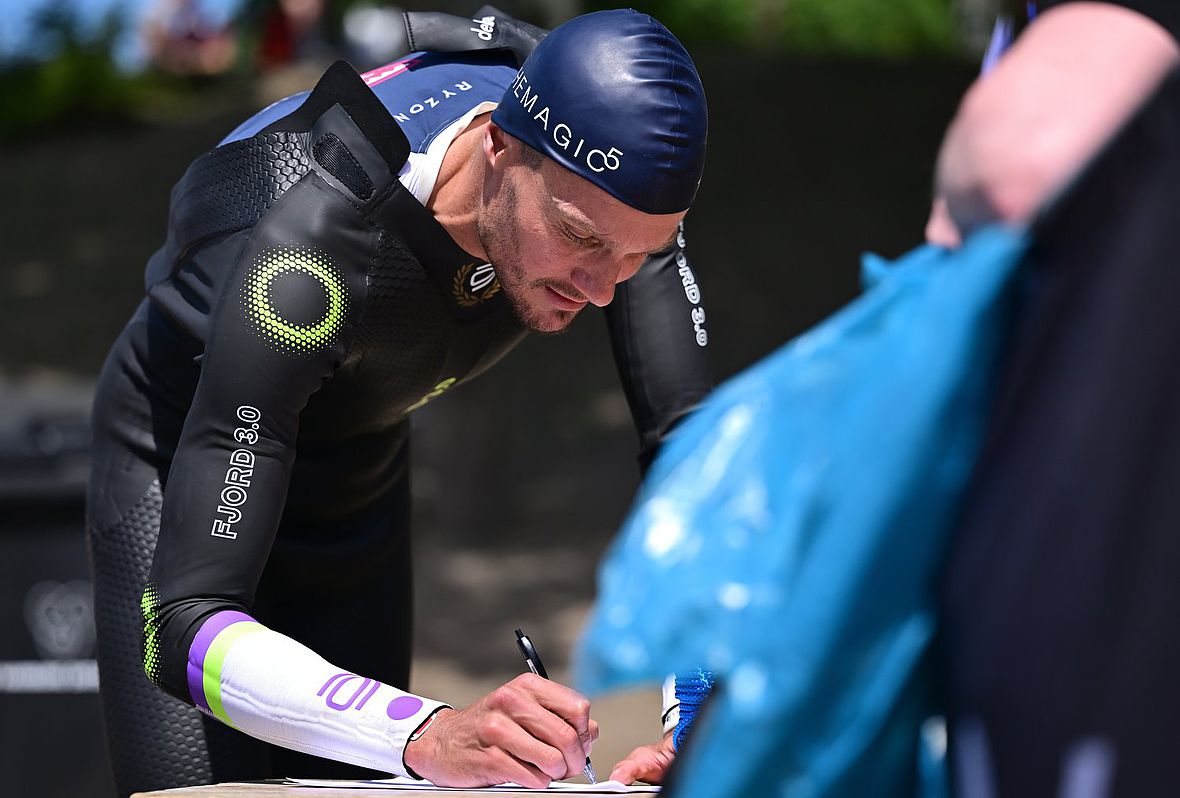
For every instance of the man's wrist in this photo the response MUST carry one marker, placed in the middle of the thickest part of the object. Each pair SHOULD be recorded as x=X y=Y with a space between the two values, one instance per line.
x=414 y=737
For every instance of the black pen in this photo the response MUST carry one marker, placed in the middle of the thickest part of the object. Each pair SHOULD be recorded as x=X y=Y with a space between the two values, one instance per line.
x=533 y=660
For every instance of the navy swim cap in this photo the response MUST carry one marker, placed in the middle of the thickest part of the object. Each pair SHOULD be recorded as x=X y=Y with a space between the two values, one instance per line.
x=615 y=98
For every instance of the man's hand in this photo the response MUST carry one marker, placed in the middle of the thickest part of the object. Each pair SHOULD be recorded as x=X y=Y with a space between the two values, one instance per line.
x=646 y=763
x=1023 y=130
x=530 y=731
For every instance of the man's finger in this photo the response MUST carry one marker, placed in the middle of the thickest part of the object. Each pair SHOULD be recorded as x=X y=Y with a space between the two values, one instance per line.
x=645 y=763
x=590 y=737
x=940 y=227
x=520 y=772
x=568 y=704
x=558 y=733
x=625 y=772
x=637 y=765
x=507 y=734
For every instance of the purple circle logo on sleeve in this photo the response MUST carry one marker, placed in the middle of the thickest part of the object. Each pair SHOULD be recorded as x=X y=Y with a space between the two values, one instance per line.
x=403 y=707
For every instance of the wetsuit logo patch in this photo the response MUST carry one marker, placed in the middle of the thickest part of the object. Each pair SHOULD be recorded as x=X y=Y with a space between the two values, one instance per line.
x=296 y=299
x=474 y=284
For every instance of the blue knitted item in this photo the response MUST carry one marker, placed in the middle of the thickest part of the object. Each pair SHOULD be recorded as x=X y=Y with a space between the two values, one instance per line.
x=691 y=691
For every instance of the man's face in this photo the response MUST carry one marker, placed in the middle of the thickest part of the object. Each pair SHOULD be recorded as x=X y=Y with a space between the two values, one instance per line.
x=557 y=241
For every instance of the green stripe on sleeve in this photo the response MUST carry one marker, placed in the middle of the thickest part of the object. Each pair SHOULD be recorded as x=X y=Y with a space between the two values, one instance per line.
x=214 y=659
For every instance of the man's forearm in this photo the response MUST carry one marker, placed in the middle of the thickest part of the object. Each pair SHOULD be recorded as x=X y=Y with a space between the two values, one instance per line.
x=1074 y=76
x=276 y=689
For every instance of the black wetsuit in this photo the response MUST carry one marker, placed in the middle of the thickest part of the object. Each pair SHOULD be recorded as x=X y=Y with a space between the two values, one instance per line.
x=253 y=415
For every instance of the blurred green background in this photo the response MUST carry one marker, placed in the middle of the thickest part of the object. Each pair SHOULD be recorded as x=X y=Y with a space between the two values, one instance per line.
x=71 y=62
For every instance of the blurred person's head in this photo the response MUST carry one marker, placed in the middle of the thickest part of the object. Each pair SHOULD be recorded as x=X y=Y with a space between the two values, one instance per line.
x=591 y=161
x=302 y=14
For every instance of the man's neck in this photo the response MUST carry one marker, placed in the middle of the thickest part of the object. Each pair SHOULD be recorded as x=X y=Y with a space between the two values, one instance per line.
x=454 y=203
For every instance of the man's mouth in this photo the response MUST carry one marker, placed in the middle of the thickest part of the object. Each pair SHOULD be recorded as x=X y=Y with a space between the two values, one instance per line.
x=563 y=302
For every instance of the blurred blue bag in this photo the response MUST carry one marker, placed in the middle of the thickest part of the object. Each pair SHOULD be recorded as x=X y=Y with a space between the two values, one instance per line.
x=789 y=536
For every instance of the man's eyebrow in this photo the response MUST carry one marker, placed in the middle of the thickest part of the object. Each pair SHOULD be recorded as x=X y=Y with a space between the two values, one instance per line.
x=571 y=214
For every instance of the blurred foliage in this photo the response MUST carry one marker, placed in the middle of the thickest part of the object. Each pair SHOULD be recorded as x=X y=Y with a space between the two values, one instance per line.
x=75 y=81
x=895 y=28
x=892 y=28
x=76 y=78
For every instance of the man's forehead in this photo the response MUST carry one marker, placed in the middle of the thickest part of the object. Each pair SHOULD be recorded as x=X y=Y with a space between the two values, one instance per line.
x=593 y=202
x=611 y=221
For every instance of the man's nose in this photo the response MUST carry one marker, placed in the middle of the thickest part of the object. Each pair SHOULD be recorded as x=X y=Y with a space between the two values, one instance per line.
x=596 y=283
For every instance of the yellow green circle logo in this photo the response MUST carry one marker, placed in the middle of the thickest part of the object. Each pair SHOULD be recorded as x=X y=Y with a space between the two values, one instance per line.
x=258 y=300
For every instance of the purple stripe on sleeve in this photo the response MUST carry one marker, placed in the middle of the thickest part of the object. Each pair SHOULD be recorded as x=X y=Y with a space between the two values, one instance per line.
x=213 y=626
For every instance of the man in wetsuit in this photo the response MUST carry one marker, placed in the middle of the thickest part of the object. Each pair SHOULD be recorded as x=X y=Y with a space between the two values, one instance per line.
x=341 y=259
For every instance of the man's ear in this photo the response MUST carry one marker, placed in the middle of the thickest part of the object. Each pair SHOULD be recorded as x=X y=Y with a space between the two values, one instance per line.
x=496 y=145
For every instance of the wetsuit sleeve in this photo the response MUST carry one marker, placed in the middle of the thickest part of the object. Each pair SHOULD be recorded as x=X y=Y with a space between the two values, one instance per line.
x=1165 y=12
x=280 y=326
x=659 y=335
x=488 y=29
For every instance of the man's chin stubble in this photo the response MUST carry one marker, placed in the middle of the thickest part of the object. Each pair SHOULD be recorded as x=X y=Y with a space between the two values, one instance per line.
x=534 y=320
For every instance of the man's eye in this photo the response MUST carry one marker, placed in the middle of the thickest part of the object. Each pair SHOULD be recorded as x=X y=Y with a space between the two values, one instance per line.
x=582 y=241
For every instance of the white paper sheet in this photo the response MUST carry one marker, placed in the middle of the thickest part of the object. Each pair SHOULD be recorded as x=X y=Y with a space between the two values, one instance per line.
x=601 y=788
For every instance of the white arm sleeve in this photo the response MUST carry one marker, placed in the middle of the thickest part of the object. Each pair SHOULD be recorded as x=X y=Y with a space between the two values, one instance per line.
x=280 y=691
x=671 y=714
